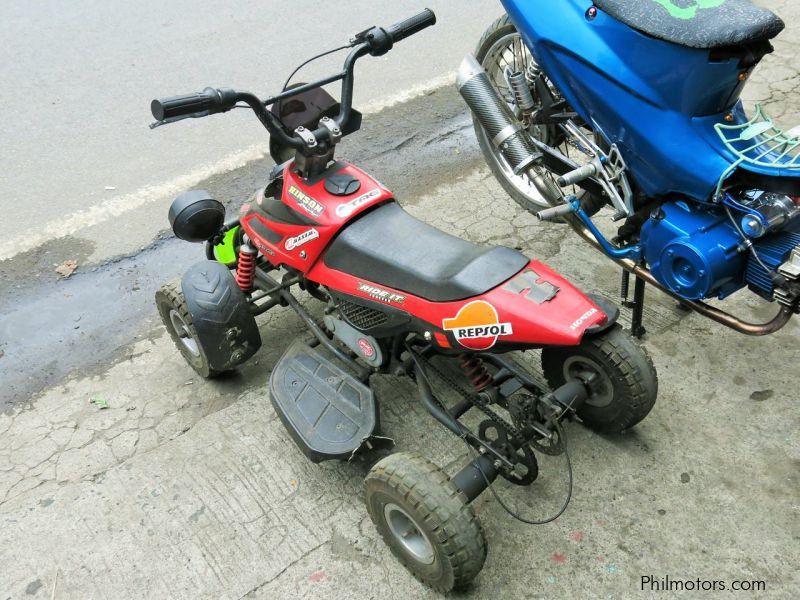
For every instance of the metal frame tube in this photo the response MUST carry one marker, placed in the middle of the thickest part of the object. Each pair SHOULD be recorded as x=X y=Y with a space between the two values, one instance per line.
x=723 y=318
x=475 y=477
x=361 y=372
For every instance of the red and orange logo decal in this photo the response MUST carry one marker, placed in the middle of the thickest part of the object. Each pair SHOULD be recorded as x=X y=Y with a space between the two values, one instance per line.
x=477 y=326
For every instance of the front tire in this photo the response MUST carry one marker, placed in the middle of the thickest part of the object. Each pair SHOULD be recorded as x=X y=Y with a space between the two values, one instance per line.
x=625 y=383
x=425 y=521
x=178 y=321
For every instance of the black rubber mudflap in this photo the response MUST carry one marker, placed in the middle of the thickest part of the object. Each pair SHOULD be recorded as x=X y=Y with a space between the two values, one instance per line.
x=220 y=314
x=327 y=411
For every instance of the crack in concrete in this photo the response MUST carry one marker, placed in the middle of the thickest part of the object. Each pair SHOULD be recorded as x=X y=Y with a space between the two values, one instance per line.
x=283 y=570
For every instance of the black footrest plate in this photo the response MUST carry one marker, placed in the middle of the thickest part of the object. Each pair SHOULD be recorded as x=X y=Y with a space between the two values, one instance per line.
x=328 y=412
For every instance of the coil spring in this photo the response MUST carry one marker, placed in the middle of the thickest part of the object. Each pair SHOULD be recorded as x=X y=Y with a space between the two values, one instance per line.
x=246 y=268
x=476 y=372
x=522 y=91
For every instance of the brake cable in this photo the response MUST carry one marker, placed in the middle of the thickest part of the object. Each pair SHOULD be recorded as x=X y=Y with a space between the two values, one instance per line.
x=312 y=59
x=303 y=64
x=510 y=510
x=562 y=436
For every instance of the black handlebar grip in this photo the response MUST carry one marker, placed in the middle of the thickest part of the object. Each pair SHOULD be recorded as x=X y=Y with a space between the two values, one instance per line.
x=209 y=101
x=403 y=29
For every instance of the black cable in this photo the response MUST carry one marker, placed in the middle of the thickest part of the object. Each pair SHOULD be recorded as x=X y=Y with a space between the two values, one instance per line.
x=511 y=511
x=312 y=59
x=562 y=436
x=747 y=242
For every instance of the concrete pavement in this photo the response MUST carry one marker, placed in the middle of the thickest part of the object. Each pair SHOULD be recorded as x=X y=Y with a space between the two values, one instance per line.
x=184 y=488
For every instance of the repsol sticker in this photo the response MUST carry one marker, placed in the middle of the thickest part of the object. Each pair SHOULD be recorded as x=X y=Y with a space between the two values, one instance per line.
x=306 y=202
x=303 y=238
x=347 y=209
x=583 y=318
x=381 y=294
x=477 y=326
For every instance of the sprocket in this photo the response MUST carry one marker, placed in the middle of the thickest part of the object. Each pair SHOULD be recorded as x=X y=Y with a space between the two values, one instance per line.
x=526 y=466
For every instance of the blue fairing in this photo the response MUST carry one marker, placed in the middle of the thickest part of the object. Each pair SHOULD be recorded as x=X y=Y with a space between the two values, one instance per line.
x=656 y=100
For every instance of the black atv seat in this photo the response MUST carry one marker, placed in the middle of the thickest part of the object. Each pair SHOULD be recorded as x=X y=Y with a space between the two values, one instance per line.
x=697 y=23
x=387 y=246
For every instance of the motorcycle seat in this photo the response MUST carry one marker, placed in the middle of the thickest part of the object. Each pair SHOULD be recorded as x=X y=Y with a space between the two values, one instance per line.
x=387 y=246
x=703 y=24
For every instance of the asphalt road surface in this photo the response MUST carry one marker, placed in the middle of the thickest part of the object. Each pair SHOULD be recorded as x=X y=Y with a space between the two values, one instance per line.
x=78 y=78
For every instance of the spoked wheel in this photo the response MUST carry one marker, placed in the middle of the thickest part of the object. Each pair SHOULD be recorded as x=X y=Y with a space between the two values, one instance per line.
x=621 y=376
x=178 y=321
x=502 y=48
x=425 y=521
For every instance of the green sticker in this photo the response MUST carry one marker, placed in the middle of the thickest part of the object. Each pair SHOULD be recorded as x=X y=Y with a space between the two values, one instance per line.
x=688 y=12
x=225 y=251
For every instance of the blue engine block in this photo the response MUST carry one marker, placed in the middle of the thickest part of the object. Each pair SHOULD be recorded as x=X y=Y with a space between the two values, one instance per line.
x=694 y=252
x=773 y=250
x=698 y=254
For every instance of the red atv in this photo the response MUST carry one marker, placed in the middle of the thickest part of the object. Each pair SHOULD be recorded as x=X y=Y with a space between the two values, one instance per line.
x=399 y=297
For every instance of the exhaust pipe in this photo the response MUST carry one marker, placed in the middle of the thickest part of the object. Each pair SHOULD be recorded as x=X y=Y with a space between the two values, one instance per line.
x=501 y=126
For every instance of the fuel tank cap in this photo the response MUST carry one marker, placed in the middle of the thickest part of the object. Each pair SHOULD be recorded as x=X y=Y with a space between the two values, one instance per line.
x=342 y=184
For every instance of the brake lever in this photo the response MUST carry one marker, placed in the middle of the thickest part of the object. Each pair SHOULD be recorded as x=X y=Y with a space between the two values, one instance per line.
x=196 y=115
x=360 y=37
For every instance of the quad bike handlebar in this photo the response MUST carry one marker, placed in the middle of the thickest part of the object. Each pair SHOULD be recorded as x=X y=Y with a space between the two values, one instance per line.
x=207 y=102
x=375 y=41
x=400 y=31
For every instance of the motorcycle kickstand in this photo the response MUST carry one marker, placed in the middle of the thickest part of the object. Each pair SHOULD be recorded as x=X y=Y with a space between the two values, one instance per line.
x=637 y=305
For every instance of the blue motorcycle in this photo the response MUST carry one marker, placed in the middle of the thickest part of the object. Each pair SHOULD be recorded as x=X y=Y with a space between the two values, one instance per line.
x=632 y=110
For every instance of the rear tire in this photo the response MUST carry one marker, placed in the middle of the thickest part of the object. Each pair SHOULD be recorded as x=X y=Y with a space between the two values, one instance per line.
x=499 y=34
x=425 y=521
x=626 y=383
x=178 y=321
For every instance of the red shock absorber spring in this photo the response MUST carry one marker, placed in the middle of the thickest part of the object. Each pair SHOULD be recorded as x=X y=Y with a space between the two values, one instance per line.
x=476 y=372
x=246 y=267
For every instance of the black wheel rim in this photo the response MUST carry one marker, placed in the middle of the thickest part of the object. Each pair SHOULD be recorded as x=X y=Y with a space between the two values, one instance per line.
x=585 y=369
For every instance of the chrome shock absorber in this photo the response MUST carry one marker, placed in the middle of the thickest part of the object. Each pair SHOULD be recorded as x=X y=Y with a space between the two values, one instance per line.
x=520 y=87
